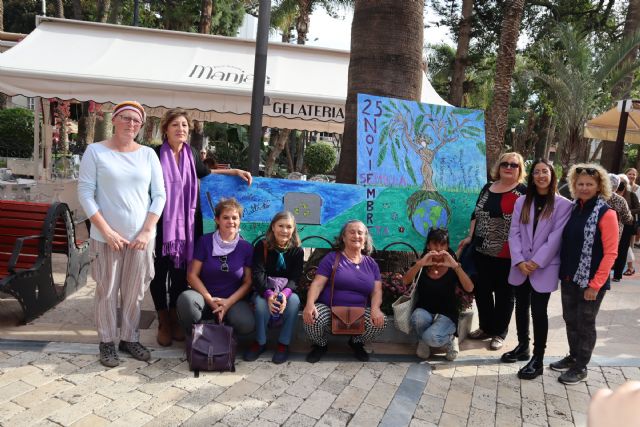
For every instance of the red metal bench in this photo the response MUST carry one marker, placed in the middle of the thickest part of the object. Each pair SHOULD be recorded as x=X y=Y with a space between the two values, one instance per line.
x=29 y=234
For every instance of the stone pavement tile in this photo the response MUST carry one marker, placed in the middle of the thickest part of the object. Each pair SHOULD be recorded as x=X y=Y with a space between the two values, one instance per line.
x=305 y=385
x=189 y=383
x=381 y=394
x=325 y=368
x=558 y=422
x=117 y=389
x=80 y=392
x=126 y=371
x=316 y=404
x=83 y=360
x=364 y=379
x=223 y=379
x=446 y=371
x=595 y=376
x=534 y=412
x=173 y=416
x=161 y=401
x=20 y=359
x=509 y=394
x=37 y=413
x=458 y=403
x=507 y=416
x=350 y=399
x=68 y=415
x=245 y=412
x=182 y=368
x=13 y=390
x=235 y=394
x=367 y=416
x=393 y=373
x=299 y=420
x=158 y=367
x=346 y=369
x=469 y=371
x=334 y=418
x=416 y=422
x=86 y=373
x=208 y=414
x=272 y=389
x=429 y=408
x=595 y=387
x=484 y=398
x=579 y=418
x=335 y=383
x=263 y=373
x=122 y=404
x=558 y=407
x=45 y=423
x=281 y=409
x=481 y=418
x=261 y=423
x=508 y=370
x=578 y=402
x=8 y=410
x=487 y=378
x=580 y=387
x=132 y=418
x=532 y=390
x=450 y=420
x=613 y=376
x=462 y=384
x=198 y=398
x=90 y=420
x=41 y=378
x=159 y=383
x=11 y=374
x=551 y=385
x=438 y=385
x=631 y=373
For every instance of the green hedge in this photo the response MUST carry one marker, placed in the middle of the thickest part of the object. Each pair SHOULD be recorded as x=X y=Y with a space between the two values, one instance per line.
x=320 y=158
x=16 y=132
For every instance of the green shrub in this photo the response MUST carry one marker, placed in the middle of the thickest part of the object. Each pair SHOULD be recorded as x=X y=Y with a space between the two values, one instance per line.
x=16 y=132
x=320 y=158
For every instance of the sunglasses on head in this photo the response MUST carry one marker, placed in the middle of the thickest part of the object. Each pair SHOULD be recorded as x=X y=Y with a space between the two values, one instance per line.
x=588 y=171
x=224 y=267
x=508 y=165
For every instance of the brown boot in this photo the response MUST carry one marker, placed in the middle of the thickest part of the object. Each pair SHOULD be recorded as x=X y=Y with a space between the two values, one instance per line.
x=164 y=328
x=177 y=331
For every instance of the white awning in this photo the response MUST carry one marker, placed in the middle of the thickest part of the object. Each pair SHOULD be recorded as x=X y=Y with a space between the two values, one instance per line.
x=306 y=86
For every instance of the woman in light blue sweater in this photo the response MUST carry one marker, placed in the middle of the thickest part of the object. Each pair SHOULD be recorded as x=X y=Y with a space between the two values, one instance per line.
x=122 y=193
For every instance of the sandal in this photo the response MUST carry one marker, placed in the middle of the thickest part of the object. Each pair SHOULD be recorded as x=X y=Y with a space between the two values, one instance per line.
x=630 y=272
x=135 y=349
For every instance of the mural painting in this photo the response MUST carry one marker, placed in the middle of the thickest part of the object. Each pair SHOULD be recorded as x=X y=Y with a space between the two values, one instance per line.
x=419 y=166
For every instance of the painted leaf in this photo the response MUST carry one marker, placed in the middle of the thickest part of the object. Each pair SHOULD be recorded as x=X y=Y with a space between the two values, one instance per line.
x=394 y=154
x=463 y=111
x=418 y=124
x=412 y=174
x=382 y=154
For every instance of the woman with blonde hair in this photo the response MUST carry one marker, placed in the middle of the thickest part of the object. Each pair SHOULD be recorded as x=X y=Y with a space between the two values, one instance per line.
x=589 y=249
x=489 y=233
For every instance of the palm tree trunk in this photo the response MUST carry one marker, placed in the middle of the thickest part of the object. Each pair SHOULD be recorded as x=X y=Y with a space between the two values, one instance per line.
x=383 y=63
x=115 y=12
x=464 y=36
x=60 y=8
x=1 y=15
x=103 y=10
x=77 y=10
x=631 y=25
x=496 y=117
x=205 y=16
x=302 y=22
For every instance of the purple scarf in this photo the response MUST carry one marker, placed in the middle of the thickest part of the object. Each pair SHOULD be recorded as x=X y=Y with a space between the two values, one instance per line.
x=178 y=217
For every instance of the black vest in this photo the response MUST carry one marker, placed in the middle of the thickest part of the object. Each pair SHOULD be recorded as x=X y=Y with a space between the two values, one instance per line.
x=573 y=239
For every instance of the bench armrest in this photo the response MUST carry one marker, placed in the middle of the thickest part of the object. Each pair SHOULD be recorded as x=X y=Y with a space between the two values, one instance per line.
x=18 y=247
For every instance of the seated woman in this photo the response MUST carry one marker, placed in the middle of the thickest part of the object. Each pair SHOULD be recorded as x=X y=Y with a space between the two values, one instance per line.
x=356 y=283
x=220 y=275
x=277 y=267
x=435 y=318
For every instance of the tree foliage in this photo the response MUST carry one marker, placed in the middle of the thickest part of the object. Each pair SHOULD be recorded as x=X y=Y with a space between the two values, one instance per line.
x=16 y=132
x=320 y=158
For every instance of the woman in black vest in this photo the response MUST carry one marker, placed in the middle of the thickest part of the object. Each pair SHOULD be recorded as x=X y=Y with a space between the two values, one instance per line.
x=589 y=249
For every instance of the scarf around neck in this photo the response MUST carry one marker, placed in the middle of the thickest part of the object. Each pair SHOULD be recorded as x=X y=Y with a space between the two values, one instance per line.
x=178 y=221
x=222 y=248
x=581 y=277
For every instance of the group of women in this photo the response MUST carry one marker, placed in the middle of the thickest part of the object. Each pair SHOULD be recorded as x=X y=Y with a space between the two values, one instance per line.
x=518 y=237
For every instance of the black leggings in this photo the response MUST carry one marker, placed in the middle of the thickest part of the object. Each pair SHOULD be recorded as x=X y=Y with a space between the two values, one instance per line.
x=494 y=314
x=177 y=283
x=623 y=247
x=527 y=297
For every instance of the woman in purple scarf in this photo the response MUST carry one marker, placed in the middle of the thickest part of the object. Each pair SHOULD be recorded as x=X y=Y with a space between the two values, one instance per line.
x=181 y=223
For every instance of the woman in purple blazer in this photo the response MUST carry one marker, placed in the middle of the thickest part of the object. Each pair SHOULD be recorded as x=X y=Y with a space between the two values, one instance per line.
x=534 y=241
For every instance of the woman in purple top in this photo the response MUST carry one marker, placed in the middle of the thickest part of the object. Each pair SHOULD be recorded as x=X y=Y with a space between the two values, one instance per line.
x=356 y=284
x=535 y=236
x=220 y=275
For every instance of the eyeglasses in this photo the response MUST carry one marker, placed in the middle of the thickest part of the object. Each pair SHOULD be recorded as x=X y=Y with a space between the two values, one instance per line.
x=224 y=267
x=541 y=172
x=508 y=165
x=588 y=171
x=133 y=120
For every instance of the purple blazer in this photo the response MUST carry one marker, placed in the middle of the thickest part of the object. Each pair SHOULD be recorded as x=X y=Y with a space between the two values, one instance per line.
x=543 y=248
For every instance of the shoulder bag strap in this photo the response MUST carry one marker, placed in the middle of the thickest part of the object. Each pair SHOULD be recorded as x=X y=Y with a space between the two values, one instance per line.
x=414 y=284
x=333 y=274
x=264 y=253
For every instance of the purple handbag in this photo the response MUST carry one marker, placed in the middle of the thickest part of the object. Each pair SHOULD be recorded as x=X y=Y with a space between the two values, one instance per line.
x=211 y=347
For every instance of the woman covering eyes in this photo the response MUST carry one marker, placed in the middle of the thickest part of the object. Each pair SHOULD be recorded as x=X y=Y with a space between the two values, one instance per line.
x=220 y=275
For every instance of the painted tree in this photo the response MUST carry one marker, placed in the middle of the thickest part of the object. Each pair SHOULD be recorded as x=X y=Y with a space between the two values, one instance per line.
x=386 y=60
x=496 y=118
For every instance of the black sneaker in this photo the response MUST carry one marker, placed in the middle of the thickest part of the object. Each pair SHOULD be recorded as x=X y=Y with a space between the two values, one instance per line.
x=253 y=352
x=108 y=354
x=135 y=349
x=573 y=376
x=316 y=353
x=359 y=351
x=281 y=354
x=563 y=364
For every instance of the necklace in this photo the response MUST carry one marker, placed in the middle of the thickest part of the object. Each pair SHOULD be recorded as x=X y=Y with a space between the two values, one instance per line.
x=352 y=261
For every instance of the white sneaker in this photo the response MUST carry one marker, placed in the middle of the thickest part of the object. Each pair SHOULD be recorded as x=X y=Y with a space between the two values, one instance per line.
x=452 y=349
x=423 y=351
x=496 y=343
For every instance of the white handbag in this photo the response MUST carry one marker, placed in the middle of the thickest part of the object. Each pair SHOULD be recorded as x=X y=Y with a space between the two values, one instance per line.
x=403 y=307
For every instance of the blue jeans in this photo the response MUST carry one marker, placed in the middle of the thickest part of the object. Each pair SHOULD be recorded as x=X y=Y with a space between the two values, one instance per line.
x=435 y=330
x=289 y=318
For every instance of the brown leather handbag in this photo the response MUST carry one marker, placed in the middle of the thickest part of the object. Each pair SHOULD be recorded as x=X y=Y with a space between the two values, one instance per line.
x=345 y=320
